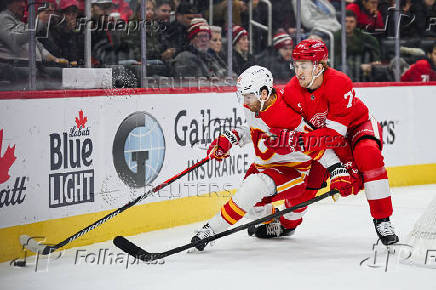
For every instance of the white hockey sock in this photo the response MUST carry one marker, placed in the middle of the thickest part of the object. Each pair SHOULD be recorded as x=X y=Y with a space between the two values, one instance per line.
x=218 y=224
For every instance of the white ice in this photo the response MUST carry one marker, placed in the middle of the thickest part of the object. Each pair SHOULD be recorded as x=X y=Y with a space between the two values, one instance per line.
x=325 y=253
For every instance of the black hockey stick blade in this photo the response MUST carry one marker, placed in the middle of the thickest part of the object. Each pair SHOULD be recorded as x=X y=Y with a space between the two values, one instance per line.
x=135 y=251
x=130 y=248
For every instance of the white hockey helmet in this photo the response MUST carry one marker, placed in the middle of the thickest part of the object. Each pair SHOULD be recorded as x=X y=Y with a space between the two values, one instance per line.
x=253 y=80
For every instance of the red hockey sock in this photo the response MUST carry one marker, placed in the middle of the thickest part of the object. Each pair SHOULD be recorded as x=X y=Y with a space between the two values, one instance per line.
x=369 y=161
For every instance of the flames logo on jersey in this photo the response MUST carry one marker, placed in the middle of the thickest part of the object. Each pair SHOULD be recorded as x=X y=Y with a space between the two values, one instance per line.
x=260 y=149
x=318 y=120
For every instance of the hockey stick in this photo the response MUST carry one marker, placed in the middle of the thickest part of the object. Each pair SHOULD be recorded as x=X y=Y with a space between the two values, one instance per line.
x=135 y=251
x=37 y=247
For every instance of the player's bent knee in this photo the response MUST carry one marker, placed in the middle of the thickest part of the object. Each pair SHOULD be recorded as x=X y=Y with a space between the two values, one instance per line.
x=253 y=189
x=367 y=155
x=369 y=160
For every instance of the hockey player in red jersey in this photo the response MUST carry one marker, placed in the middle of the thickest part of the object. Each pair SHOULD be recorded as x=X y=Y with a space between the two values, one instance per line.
x=277 y=172
x=326 y=99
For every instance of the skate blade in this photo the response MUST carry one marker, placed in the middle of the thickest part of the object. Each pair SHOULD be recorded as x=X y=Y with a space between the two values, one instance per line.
x=192 y=250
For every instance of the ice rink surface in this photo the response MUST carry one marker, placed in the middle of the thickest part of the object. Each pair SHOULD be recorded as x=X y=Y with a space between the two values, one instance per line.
x=325 y=253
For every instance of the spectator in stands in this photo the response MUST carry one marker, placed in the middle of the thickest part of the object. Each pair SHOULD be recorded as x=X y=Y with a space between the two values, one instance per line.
x=408 y=28
x=423 y=70
x=239 y=12
x=384 y=6
x=46 y=12
x=425 y=12
x=195 y=61
x=318 y=35
x=122 y=9
x=175 y=36
x=367 y=14
x=283 y=19
x=242 y=58
x=14 y=48
x=130 y=47
x=318 y=13
x=278 y=61
x=105 y=40
x=162 y=14
x=63 y=40
x=216 y=43
x=363 y=50
x=337 y=3
x=47 y=18
x=175 y=4
x=162 y=11
x=81 y=6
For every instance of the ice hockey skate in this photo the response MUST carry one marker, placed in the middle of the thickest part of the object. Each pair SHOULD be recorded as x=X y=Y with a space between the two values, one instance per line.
x=204 y=232
x=385 y=231
x=271 y=230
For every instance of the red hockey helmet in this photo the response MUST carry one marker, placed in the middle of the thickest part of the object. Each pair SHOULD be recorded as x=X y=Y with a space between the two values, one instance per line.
x=310 y=49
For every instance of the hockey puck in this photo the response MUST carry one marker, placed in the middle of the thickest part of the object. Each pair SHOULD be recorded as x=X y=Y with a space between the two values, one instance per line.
x=20 y=263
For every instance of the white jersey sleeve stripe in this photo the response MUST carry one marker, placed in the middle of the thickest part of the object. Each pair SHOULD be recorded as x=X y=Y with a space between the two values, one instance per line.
x=338 y=127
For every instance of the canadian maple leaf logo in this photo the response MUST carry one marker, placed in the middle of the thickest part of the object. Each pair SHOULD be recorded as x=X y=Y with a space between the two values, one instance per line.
x=6 y=160
x=81 y=121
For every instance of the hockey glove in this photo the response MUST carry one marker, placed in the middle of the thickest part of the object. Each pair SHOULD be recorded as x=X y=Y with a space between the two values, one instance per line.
x=356 y=178
x=220 y=147
x=341 y=180
x=283 y=141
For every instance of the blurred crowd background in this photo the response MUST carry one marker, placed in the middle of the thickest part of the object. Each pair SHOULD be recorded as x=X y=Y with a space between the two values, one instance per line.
x=181 y=43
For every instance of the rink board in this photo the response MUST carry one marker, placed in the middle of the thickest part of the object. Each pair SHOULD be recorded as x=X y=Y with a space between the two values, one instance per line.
x=64 y=177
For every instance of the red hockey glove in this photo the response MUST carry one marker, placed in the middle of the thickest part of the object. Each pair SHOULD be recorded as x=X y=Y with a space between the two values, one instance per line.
x=341 y=180
x=355 y=176
x=283 y=141
x=220 y=147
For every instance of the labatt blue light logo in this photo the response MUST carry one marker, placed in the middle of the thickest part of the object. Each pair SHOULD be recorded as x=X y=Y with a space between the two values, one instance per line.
x=12 y=192
x=72 y=175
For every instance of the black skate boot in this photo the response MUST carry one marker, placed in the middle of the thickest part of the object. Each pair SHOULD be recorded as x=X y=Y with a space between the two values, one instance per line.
x=272 y=230
x=204 y=232
x=385 y=231
x=251 y=230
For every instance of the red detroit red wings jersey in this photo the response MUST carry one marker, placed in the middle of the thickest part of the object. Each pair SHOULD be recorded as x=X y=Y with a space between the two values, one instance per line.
x=280 y=115
x=333 y=105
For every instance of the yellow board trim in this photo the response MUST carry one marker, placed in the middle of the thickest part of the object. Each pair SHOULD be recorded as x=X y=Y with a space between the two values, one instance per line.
x=412 y=174
x=136 y=220
x=160 y=215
